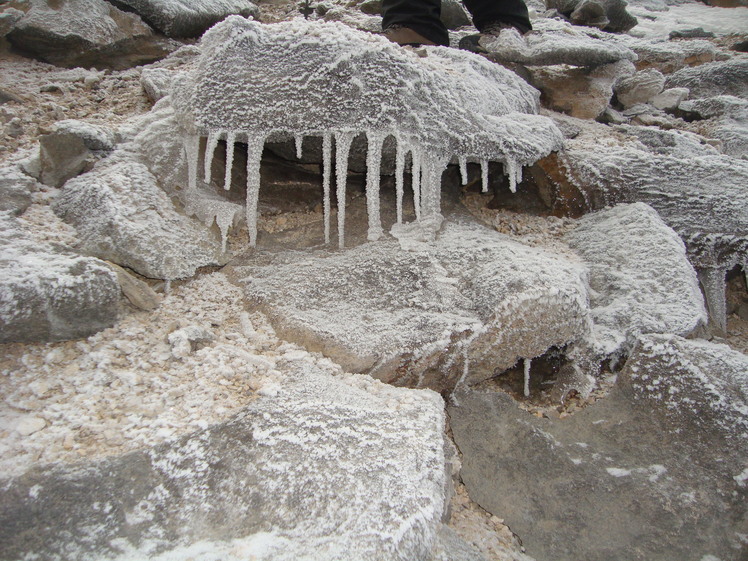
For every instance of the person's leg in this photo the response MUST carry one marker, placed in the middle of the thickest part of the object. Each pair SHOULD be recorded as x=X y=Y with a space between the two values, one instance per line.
x=420 y=16
x=490 y=12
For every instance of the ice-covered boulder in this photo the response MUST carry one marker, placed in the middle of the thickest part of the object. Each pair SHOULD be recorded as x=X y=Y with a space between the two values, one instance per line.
x=86 y=33
x=640 y=278
x=187 y=18
x=717 y=78
x=608 y=15
x=122 y=215
x=727 y=120
x=656 y=470
x=343 y=82
x=471 y=302
x=334 y=467
x=669 y=56
x=15 y=189
x=49 y=295
x=555 y=42
x=640 y=87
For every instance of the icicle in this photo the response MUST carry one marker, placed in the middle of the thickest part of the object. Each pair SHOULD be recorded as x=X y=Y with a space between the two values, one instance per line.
x=399 y=178
x=224 y=221
x=298 y=141
x=373 y=167
x=167 y=286
x=255 y=144
x=514 y=171
x=192 y=149
x=484 y=175
x=230 y=141
x=463 y=169
x=416 y=171
x=715 y=290
x=528 y=362
x=342 y=149
x=210 y=148
x=326 y=161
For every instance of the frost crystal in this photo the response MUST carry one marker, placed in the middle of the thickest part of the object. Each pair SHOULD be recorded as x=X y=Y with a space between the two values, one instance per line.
x=303 y=79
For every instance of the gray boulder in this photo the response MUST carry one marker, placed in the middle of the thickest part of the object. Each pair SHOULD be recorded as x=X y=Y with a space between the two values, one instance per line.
x=608 y=15
x=122 y=215
x=15 y=189
x=187 y=18
x=86 y=33
x=641 y=87
x=50 y=295
x=450 y=311
x=334 y=467
x=713 y=79
x=640 y=278
x=653 y=471
x=8 y=19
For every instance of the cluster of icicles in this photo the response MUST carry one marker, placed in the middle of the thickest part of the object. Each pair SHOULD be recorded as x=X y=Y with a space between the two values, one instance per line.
x=426 y=167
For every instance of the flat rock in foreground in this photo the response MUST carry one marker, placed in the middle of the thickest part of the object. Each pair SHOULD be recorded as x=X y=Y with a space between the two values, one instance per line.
x=330 y=467
x=654 y=471
x=414 y=317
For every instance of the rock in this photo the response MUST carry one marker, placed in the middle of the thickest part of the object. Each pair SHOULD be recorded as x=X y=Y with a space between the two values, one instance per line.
x=29 y=425
x=135 y=290
x=332 y=467
x=669 y=56
x=653 y=471
x=608 y=15
x=728 y=117
x=711 y=107
x=580 y=92
x=184 y=341
x=640 y=278
x=48 y=295
x=95 y=137
x=713 y=79
x=187 y=18
x=121 y=215
x=451 y=547
x=15 y=190
x=453 y=15
x=8 y=19
x=695 y=33
x=555 y=42
x=156 y=82
x=611 y=117
x=639 y=88
x=670 y=99
x=415 y=317
x=86 y=33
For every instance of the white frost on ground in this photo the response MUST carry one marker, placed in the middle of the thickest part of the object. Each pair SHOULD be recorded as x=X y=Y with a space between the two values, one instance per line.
x=658 y=24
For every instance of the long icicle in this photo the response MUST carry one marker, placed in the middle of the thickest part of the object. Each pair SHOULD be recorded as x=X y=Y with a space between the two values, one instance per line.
x=342 y=149
x=484 y=175
x=298 y=140
x=230 y=141
x=255 y=144
x=326 y=172
x=210 y=149
x=191 y=149
x=462 y=160
x=415 y=168
x=373 y=167
x=528 y=363
x=514 y=171
x=399 y=177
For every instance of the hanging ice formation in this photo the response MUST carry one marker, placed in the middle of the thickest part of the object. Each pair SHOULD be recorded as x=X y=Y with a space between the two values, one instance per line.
x=304 y=79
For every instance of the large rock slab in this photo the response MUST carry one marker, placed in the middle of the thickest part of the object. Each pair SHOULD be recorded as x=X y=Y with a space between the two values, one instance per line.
x=122 y=215
x=187 y=18
x=456 y=309
x=86 y=33
x=333 y=467
x=50 y=295
x=654 y=471
x=713 y=79
x=640 y=278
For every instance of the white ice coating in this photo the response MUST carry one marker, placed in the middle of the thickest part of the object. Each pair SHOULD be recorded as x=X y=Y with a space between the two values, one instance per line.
x=298 y=140
x=528 y=364
x=462 y=160
x=315 y=79
x=484 y=176
x=399 y=179
x=210 y=149
x=326 y=172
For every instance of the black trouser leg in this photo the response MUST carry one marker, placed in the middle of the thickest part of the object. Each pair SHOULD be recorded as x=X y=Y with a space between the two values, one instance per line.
x=513 y=12
x=422 y=16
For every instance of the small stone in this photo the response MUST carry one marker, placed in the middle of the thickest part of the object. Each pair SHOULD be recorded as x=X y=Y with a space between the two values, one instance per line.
x=29 y=425
x=670 y=98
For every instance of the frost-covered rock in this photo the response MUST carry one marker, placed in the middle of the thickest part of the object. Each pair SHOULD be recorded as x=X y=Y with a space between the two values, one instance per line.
x=187 y=18
x=47 y=295
x=8 y=18
x=156 y=82
x=122 y=215
x=555 y=42
x=608 y=15
x=640 y=278
x=331 y=467
x=86 y=33
x=448 y=103
x=656 y=468
x=467 y=304
x=669 y=56
x=580 y=92
x=15 y=189
x=713 y=79
x=640 y=87
x=728 y=120
x=670 y=99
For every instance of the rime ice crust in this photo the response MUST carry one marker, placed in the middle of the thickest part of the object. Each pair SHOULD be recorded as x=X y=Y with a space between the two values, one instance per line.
x=304 y=78
x=640 y=278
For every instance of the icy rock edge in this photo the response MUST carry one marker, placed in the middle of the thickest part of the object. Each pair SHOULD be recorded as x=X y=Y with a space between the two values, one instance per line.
x=255 y=82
